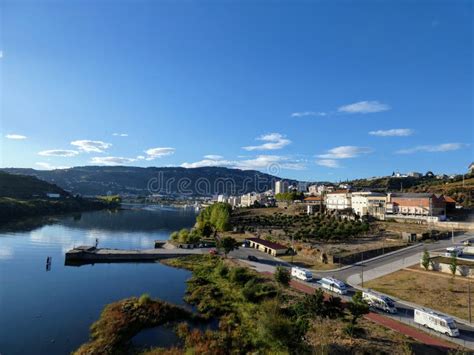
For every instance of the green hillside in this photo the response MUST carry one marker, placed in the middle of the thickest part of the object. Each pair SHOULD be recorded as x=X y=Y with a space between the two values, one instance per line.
x=25 y=196
x=26 y=187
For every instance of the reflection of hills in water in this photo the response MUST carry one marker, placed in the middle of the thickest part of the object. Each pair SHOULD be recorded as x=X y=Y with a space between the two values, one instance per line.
x=148 y=218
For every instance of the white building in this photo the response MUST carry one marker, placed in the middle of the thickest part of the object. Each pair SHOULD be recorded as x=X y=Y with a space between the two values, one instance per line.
x=251 y=198
x=415 y=174
x=281 y=187
x=338 y=200
x=52 y=195
x=313 y=190
x=222 y=198
x=325 y=189
x=234 y=201
x=369 y=203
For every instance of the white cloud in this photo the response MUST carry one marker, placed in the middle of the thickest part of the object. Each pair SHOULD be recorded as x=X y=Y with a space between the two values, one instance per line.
x=213 y=157
x=344 y=152
x=15 y=136
x=273 y=141
x=111 y=160
x=120 y=134
x=48 y=166
x=329 y=163
x=89 y=146
x=309 y=113
x=257 y=163
x=446 y=147
x=154 y=153
x=58 y=153
x=396 y=132
x=364 y=107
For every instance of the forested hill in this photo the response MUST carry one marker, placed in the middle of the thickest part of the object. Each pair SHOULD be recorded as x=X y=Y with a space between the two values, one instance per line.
x=26 y=187
x=101 y=180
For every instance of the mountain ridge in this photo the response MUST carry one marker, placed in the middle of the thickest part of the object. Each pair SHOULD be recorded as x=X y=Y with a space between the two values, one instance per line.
x=125 y=180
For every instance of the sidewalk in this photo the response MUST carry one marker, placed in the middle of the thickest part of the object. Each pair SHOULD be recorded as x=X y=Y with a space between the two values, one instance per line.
x=387 y=322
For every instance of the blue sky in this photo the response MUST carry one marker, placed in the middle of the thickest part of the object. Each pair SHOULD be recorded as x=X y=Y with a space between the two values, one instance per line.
x=314 y=90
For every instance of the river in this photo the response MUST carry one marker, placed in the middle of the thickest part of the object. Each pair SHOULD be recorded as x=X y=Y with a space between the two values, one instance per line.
x=49 y=312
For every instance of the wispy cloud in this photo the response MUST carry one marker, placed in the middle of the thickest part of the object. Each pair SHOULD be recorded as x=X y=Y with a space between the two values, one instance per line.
x=396 y=132
x=364 y=107
x=120 y=134
x=154 y=153
x=15 y=136
x=48 y=166
x=446 y=147
x=89 y=146
x=213 y=157
x=273 y=141
x=58 y=153
x=260 y=162
x=309 y=113
x=111 y=160
x=345 y=152
x=329 y=163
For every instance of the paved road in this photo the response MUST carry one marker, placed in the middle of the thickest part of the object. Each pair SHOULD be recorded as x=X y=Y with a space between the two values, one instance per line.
x=373 y=268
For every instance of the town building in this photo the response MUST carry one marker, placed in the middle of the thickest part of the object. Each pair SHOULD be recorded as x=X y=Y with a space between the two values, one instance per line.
x=313 y=190
x=415 y=174
x=369 y=203
x=281 y=187
x=52 y=195
x=338 y=200
x=267 y=246
x=471 y=168
x=415 y=204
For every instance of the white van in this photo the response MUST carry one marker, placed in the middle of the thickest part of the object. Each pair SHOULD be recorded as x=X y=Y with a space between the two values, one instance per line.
x=301 y=274
x=454 y=251
x=378 y=301
x=436 y=321
x=333 y=285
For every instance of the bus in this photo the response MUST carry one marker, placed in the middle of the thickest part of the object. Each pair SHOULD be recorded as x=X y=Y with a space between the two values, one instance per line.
x=436 y=321
x=378 y=301
x=333 y=285
x=301 y=274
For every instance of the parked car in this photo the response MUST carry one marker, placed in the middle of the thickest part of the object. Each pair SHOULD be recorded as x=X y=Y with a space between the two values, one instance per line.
x=252 y=258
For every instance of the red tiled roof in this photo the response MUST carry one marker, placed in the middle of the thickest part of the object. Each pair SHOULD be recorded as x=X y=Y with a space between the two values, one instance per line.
x=313 y=198
x=448 y=199
x=267 y=243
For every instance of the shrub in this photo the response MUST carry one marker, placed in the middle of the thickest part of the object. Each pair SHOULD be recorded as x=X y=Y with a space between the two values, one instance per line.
x=144 y=299
x=282 y=276
x=240 y=275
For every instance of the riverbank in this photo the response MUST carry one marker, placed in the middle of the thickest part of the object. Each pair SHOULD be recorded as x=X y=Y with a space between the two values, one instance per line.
x=256 y=314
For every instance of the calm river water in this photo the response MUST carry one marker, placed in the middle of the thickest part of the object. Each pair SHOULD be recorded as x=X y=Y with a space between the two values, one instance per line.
x=49 y=312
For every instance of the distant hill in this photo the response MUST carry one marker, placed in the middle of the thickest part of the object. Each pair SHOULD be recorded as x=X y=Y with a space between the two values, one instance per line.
x=101 y=180
x=26 y=187
x=462 y=192
x=26 y=196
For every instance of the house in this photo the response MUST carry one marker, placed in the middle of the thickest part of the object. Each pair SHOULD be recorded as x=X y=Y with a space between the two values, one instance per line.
x=266 y=246
x=415 y=204
x=471 y=168
x=369 y=203
x=415 y=174
x=313 y=200
x=281 y=187
x=450 y=204
x=338 y=200
x=313 y=190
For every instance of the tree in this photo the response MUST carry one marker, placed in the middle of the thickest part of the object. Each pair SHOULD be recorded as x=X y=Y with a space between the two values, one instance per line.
x=425 y=260
x=357 y=307
x=453 y=265
x=282 y=276
x=228 y=244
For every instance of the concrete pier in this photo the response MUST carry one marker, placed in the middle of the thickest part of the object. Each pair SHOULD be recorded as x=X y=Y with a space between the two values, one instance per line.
x=89 y=255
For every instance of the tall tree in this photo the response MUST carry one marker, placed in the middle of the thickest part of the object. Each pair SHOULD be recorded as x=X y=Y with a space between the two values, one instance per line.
x=425 y=259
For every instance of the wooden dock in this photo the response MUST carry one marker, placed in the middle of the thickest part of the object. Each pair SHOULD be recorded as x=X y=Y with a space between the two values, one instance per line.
x=90 y=255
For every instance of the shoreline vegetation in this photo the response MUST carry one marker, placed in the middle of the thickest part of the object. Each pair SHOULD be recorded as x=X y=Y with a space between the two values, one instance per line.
x=255 y=313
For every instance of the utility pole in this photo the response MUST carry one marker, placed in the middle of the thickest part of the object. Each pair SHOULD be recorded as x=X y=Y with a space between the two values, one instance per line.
x=362 y=268
x=292 y=248
x=469 y=299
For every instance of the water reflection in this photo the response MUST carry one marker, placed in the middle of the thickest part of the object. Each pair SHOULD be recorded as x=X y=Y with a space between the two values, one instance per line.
x=49 y=312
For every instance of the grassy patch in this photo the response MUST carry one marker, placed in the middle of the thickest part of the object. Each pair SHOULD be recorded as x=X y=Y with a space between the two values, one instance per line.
x=430 y=289
x=121 y=320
